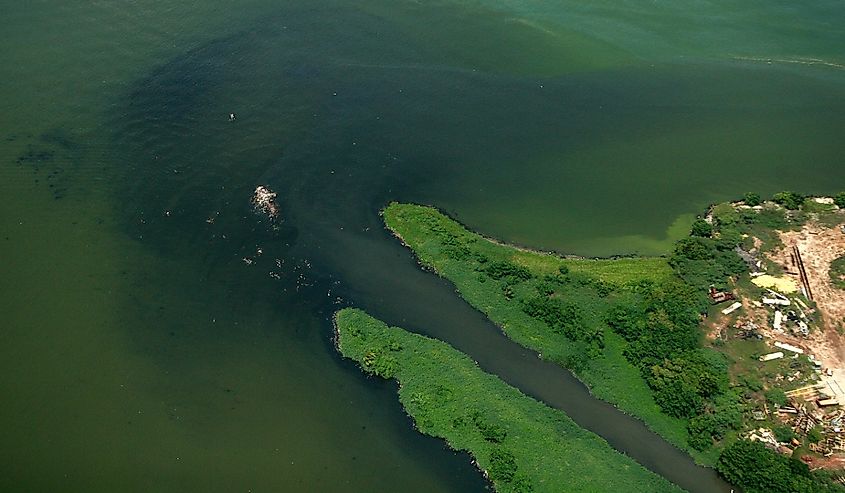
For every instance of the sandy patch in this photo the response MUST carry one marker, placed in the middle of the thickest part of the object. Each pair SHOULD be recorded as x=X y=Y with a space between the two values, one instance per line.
x=819 y=246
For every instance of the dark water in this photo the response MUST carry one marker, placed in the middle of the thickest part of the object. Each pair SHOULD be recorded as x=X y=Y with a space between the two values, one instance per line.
x=141 y=351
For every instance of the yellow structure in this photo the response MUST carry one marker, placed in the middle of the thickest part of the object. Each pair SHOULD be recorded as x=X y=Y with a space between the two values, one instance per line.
x=779 y=284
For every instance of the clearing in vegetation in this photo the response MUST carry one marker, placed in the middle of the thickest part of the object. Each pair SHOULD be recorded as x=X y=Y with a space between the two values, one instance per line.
x=520 y=444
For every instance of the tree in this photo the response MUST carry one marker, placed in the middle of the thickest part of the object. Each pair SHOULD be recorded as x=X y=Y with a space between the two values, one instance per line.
x=839 y=200
x=776 y=397
x=752 y=199
x=814 y=435
x=561 y=316
x=490 y=431
x=502 y=465
x=678 y=399
x=502 y=269
x=695 y=249
x=754 y=468
x=627 y=320
x=705 y=428
x=790 y=200
x=783 y=433
x=701 y=228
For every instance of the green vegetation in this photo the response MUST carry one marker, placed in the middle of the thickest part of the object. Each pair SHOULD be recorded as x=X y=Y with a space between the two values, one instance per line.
x=790 y=200
x=837 y=272
x=701 y=228
x=752 y=199
x=522 y=444
x=839 y=200
x=756 y=469
x=630 y=328
x=564 y=307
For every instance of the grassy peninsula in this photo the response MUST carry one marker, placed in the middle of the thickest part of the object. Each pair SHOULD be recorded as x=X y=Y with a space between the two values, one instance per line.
x=633 y=329
x=520 y=444
x=501 y=281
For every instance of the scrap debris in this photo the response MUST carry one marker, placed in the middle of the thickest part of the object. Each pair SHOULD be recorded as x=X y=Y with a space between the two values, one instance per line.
x=795 y=309
x=264 y=201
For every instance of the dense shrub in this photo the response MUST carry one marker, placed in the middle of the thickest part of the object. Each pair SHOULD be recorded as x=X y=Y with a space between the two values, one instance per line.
x=662 y=339
x=561 y=316
x=769 y=218
x=783 y=433
x=837 y=272
x=728 y=238
x=752 y=199
x=490 y=431
x=756 y=469
x=701 y=228
x=705 y=371
x=678 y=399
x=381 y=364
x=627 y=320
x=502 y=465
x=776 y=397
x=790 y=200
x=695 y=249
x=703 y=262
x=501 y=269
x=814 y=435
x=725 y=415
x=839 y=200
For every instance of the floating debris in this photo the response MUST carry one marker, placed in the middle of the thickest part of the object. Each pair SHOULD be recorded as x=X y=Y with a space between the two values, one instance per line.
x=264 y=201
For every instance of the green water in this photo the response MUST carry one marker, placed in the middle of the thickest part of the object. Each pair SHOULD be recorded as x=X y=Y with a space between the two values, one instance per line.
x=140 y=353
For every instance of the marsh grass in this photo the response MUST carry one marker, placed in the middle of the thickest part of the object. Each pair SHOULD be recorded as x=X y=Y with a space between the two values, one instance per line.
x=594 y=285
x=521 y=444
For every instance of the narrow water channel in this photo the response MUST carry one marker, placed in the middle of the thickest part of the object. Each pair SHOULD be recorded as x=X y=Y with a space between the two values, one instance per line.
x=384 y=279
x=140 y=339
x=338 y=131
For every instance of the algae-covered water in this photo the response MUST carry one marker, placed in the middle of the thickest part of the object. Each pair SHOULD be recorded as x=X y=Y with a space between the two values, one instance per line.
x=140 y=353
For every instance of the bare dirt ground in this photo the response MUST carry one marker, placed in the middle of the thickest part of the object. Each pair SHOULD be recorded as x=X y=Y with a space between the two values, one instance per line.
x=833 y=462
x=819 y=246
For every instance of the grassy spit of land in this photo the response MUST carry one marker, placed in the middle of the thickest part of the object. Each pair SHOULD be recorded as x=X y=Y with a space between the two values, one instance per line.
x=520 y=444
x=631 y=328
x=587 y=291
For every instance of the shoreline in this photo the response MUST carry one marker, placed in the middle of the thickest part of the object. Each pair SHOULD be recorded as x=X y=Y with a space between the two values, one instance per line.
x=518 y=412
x=687 y=451
x=516 y=246
x=368 y=375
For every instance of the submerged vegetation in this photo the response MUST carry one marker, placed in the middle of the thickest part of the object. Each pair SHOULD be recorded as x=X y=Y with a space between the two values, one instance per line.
x=631 y=328
x=521 y=444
